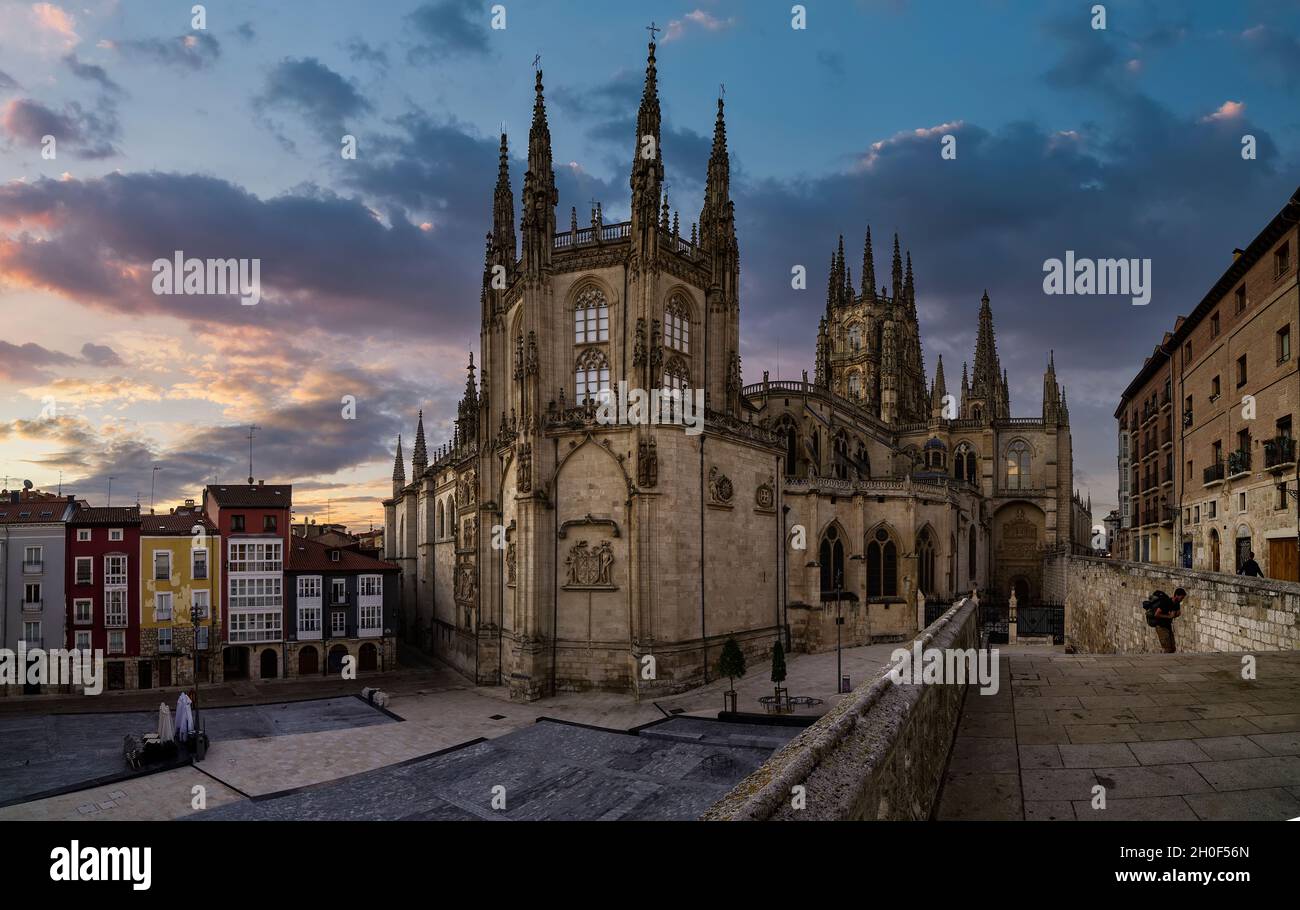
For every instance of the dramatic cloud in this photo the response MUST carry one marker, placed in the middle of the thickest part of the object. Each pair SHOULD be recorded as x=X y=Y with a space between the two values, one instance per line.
x=47 y=17
x=7 y=82
x=310 y=88
x=696 y=20
x=23 y=362
x=92 y=73
x=192 y=50
x=88 y=134
x=360 y=51
x=324 y=259
x=448 y=28
x=1276 y=53
x=101 y=355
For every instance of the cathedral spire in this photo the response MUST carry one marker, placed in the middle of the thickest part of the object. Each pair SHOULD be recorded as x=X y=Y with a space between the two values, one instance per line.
x=399 y=469
x=938 y=391
x=868 y=269
x=909 y=289
x=503 y=212
x=647 y=163
x=839 y=273
x=1051 y=393
x=420 y=456
x=988 y=383
x=896 y=278
x=540 y=195
x=715 y=218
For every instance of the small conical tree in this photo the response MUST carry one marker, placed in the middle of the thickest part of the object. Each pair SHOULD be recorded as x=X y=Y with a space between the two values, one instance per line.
x=732 y=662
x=778 y=664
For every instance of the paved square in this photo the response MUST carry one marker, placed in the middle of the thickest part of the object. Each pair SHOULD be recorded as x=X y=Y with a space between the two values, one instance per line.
x=1165 y=737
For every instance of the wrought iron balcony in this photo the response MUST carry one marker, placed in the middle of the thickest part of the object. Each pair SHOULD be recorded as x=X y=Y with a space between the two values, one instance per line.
x=1279 y=452
x=36 y=567
x=1239 y=462
x=33 y=606
x=1213 y=474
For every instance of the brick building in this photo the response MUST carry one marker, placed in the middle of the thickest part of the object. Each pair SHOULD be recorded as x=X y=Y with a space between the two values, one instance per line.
x=1233 y=379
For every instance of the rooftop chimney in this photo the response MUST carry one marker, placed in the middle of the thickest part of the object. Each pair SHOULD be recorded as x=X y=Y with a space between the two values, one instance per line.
x=1237 y=253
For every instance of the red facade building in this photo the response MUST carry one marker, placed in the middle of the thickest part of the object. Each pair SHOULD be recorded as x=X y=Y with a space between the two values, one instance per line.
x=103 y=588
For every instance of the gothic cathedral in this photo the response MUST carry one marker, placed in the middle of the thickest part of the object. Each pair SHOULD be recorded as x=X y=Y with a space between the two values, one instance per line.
x=546 y=549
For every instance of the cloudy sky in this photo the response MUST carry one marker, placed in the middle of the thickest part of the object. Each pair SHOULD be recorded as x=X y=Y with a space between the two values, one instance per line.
x=225 y=142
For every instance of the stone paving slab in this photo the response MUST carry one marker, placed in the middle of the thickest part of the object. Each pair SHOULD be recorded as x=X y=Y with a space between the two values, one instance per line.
x=1169 y=737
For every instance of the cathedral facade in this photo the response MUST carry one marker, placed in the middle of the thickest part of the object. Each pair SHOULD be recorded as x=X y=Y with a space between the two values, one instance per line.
x=547 y=549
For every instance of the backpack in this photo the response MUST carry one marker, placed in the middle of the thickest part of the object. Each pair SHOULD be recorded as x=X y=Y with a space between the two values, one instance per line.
x=1149 y=605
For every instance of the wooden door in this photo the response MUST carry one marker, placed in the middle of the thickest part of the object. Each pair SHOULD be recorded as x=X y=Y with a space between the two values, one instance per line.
x=1283 y=559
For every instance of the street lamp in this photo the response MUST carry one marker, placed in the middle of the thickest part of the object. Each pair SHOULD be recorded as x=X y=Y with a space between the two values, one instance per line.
x=838 y=591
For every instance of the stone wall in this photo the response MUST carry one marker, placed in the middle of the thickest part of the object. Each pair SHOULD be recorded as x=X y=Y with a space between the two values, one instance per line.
x=878 y=754
x=1103 y=608
x=812 y=626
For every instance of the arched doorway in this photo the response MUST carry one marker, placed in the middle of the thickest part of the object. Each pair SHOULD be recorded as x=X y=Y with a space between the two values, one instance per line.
x=1244 y=546
x=368 y=659
x=308 y=661
x=337 y=653
x=1020 y=587
x=1214 y=550
x=270 y=664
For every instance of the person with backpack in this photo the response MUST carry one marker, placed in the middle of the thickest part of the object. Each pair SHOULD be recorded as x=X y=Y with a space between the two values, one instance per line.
x=1161 y=611
x=1250 y=567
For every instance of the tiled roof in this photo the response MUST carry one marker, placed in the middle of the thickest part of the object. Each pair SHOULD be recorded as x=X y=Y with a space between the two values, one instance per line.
x=312 y=556
x=176 y=523
x=105 y=515
x=269 y=496
x=31 y=513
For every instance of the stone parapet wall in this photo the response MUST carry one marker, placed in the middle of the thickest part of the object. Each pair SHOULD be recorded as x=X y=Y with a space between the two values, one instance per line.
x=1103 y=608
x=880 y=753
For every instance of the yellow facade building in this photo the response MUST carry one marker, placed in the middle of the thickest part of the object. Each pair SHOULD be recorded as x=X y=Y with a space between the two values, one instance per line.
x=180 y=600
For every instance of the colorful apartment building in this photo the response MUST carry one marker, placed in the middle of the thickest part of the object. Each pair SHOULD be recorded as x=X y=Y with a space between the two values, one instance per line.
x=180 y=599
x=253 y=522
x=103 y=590
x=339 y=602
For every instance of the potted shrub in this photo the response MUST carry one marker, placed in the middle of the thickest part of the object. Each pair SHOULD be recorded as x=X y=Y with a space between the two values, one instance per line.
x=731 y=665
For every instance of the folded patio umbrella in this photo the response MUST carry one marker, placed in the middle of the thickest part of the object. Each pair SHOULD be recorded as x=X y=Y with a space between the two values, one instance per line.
x=166 y=732
x=184 y=717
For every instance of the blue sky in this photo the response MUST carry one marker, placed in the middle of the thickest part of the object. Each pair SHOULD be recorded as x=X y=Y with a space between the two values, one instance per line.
x=1115 y=142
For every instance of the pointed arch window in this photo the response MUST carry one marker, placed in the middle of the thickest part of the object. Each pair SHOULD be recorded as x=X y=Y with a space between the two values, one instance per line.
x=863 y=462
x=590 y=317
x=1018 y=465
x=790 y=435
x=882 y=565
x=855 y=338
x=831 y=558
x=970 y=553
x=442 y=520
x=855 y=385
x=591 y=376
x=676 y=380
x=677 y=326
x=841 y=466
x=925 y=562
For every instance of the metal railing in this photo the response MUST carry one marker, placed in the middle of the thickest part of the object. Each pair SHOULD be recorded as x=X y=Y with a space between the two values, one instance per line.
x=1213 y=473
x=1239 y=462
x=1279 y=451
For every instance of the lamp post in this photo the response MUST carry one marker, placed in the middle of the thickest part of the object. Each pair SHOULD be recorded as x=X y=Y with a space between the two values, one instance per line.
x=838 y=591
